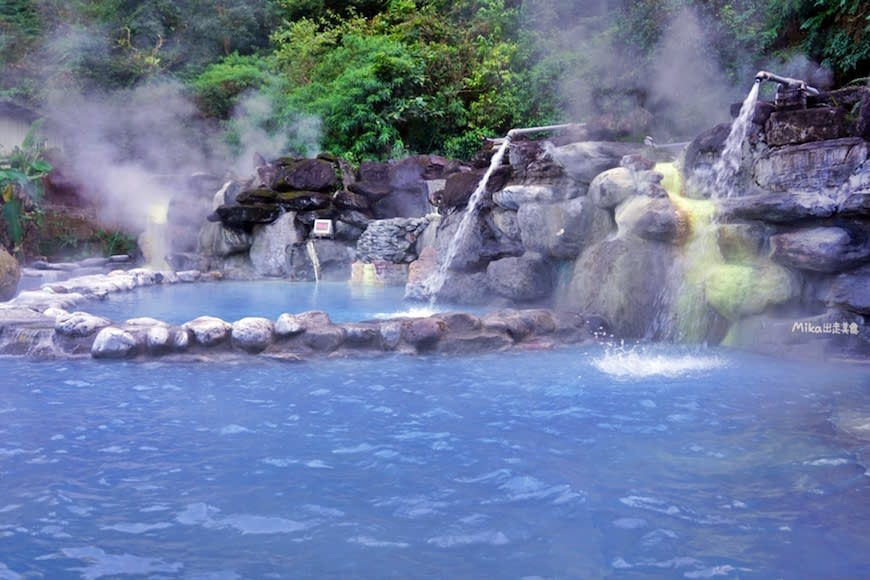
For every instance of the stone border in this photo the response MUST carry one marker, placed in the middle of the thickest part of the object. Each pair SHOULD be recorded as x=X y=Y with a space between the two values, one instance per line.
x=42 y=325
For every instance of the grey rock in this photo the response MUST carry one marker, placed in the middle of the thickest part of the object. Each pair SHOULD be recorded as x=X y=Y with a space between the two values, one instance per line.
x=80 y=324
x=781 y=207
x=208 y=330
x=521 y=279
x=851 y=291
x=811 y=166
x=269 y=249
x=288 y=325
x=819 y=249
x=252 y=334
x=561 y=230
x=513 y=196
x=583 y=161
x=113 y=342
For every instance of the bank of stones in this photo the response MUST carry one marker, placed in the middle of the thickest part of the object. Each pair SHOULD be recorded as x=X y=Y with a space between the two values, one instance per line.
x=52 y=323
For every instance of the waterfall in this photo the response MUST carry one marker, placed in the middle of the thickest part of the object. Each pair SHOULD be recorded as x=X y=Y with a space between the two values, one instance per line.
x=153 y=240
x=436 y=279
x=728 y=164
x=315 y=261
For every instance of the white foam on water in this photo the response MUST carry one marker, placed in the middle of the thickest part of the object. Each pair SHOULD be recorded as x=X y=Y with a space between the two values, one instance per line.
x=136 y=528
x=101 y=564
x=234 y=430
x=827 y=461
x=638 y=362
x=422 y=311
x=492 y=538
x=253 y=524
x=370 y=542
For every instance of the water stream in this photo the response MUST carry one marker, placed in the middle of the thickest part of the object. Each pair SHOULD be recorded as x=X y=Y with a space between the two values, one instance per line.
x=437 y=279
x=728 y=164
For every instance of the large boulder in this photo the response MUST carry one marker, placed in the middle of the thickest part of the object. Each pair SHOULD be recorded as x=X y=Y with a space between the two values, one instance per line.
x=626 y=281
x=10 y=274
x=292 y=174
x=819 y=249
x=525 y=278
x=562 y=230
x=269 y=249
x=217 y=240
x=654 y=219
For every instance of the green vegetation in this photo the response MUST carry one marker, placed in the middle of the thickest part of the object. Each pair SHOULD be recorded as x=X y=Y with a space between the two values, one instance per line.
x=389 y=77
x=21 y=174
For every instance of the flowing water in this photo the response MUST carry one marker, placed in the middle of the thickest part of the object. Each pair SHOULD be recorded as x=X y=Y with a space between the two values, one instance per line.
x=588 y=462
x=437 y=279
x=728 y=164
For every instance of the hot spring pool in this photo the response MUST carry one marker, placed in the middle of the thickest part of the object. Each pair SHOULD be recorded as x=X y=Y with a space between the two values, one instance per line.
x=231 y=300
x=576 y=463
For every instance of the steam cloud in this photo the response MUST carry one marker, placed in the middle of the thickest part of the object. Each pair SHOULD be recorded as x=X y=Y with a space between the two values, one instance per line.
x=684 y=90
x=131 y=150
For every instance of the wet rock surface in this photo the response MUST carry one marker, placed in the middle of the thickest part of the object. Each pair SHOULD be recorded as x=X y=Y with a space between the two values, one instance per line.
x=37 y=326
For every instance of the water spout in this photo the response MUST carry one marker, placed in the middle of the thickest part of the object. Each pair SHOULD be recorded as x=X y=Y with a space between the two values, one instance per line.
x=786 y=82
x=544 y=129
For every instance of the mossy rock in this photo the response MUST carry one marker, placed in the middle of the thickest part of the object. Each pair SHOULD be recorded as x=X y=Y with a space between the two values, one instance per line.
x=738 y=290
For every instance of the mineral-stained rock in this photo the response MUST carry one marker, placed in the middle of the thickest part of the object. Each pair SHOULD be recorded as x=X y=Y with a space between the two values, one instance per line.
x=740 y=242
x=737 y=290
x=208 y=330
x=655 y=219
x=252 y=334
x=819 y=249
x=522 y=279
x=113 y=342
x=80 y=324
x=460 y=322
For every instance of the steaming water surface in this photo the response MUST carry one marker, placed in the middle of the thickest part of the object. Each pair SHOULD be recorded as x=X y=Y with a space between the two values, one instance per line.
x=231 y=300
x=577 y=463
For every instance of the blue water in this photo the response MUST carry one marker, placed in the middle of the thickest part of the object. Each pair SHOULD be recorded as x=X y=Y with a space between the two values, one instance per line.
x=231 y=300
x=577 y=463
